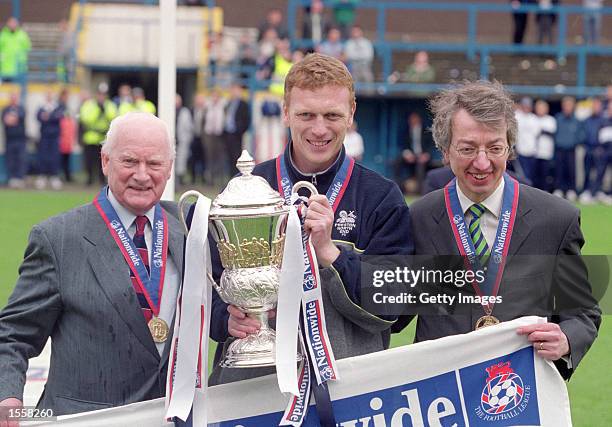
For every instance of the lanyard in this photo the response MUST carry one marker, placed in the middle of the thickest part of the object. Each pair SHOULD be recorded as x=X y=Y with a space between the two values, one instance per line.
x=501 y=244
x=151 y=285
x=334 y=192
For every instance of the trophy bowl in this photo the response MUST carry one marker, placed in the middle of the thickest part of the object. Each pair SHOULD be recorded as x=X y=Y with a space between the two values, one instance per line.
x=248 y=221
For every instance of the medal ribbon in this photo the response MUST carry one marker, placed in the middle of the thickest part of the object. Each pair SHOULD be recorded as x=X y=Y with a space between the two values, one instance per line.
x=152 y=286
x=334 y=192
x=319 y=358
x=499 y=250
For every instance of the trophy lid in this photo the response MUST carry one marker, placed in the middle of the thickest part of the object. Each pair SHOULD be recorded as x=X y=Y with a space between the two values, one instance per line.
x=247 y=195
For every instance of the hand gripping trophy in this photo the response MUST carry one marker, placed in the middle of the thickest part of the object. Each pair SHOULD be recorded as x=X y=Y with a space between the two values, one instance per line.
x=248 y=221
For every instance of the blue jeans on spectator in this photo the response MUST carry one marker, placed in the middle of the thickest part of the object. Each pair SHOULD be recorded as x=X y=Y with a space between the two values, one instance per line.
x=565 y=169
x=15 y=159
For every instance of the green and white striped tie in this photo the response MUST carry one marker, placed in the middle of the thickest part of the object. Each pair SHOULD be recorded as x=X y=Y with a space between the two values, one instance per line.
x=480 y=243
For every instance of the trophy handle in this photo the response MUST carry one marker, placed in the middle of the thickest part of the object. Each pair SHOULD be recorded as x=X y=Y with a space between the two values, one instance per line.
x=215 y=285
x=181 y=205
x=304 y=184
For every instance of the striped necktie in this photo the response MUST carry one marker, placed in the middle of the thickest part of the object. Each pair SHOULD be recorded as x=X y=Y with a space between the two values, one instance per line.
x=480 y=243
x=141 y=245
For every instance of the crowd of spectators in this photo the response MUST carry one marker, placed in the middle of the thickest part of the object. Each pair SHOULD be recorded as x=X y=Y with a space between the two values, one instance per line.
x=547 y=148
x=214 y=126
x=208 y=136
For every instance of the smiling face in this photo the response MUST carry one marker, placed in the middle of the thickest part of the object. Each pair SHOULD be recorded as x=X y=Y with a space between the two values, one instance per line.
x=138 y=165
x=319 y=120
x=478 y=177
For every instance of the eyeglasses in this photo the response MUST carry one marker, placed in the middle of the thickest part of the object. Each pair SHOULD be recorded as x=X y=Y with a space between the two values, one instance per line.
x=492 y=152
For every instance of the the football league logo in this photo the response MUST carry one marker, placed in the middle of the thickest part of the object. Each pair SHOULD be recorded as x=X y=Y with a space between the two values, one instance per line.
x=503 y=391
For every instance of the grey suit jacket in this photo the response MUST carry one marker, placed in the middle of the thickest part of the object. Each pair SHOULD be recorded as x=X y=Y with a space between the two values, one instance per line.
x=544 y=273
x=74 y=286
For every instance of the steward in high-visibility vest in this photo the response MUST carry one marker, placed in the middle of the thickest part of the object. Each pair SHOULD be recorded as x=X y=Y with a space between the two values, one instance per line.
x=140 y=103
x=282 y=65
x=95 y=117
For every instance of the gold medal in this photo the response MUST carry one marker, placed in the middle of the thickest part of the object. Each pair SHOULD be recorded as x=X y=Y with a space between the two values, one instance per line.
x=159 y=329
x=485 y=321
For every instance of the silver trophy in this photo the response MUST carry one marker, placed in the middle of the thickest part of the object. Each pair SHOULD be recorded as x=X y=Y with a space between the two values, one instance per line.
x=248 y=221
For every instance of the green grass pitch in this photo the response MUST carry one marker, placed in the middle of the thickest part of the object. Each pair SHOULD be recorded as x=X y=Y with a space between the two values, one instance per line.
x=588 y=387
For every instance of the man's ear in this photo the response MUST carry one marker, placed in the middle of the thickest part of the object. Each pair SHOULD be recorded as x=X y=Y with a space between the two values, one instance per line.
x=285 y=114
x=352 y=118
x=445 y=158
x=105 y=161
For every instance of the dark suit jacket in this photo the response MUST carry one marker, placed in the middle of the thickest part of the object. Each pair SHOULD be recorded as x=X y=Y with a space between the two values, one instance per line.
x=242 y=118
x=543 y=268
x=74 y=287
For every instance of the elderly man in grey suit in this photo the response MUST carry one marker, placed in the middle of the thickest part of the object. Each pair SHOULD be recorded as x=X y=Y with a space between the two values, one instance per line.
x=101 y=281
x=525 y=241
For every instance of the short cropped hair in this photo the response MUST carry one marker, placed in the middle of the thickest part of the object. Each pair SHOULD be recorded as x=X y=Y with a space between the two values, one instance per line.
x=316 y=71
x=121 y=124
x=489 y=103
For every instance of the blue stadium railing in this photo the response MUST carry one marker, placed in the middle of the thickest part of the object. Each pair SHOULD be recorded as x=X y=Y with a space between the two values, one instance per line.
x=473 y=49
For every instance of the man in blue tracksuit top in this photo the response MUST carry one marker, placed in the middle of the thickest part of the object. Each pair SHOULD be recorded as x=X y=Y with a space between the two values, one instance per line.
x=570 y=133
x=371 y=218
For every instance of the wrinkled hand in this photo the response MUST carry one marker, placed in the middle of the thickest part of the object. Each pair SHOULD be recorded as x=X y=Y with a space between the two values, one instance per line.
x=239 y=325
x=548 y=340
x=11 y=402
x=319 y=221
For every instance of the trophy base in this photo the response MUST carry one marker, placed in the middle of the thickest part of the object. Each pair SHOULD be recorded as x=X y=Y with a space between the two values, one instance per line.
x=254 y=351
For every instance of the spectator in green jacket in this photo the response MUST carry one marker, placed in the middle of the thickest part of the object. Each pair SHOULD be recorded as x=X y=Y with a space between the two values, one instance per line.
x=14 y=47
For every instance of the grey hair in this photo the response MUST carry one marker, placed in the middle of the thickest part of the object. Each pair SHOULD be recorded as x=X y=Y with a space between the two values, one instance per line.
x=119 y=125
x=489 y=103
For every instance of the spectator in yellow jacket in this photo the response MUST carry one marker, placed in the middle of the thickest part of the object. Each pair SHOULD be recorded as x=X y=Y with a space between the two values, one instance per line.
x=14 y=47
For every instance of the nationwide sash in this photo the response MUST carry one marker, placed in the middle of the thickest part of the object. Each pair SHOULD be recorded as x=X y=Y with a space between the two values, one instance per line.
x=501 y=244
x=186 y=384
x=151 y=285
x=320 y=359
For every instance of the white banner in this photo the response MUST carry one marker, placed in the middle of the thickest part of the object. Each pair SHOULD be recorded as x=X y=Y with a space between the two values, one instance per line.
x=489 y=377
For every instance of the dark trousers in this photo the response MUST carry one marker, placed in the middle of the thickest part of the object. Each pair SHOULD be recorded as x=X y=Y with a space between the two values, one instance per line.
x=546 y=23
x=520 y=25
x=542 y=176
x=596 y=161
x=48 y=156
x=196 y=162
x=92 y=163
x=15 y=159
x=528 y=165
x=565 y=169
x=65 y=162
x=233 y=144
x=216 y=159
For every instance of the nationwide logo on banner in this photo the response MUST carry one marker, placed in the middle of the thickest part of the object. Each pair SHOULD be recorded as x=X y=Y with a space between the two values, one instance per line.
x=497 y=393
